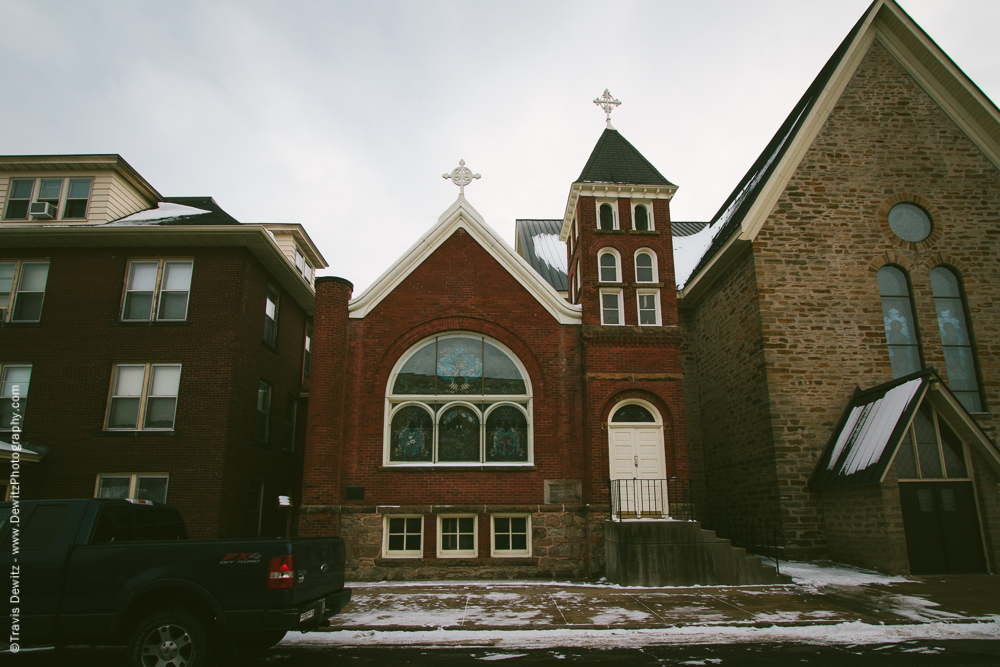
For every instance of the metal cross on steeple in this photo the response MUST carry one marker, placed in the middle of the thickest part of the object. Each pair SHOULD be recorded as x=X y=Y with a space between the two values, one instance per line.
x=608 y=103
x=461 y=176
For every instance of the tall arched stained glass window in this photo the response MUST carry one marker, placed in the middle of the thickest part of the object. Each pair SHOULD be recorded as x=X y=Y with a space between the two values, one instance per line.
x=900 y=326
x=458 y=399
x=953 y=324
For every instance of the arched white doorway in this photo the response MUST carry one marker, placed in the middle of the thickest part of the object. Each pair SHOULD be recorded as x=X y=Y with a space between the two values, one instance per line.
x=637 y=462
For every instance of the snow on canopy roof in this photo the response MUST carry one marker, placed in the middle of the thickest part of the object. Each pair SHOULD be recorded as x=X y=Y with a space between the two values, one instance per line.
x=865 y=439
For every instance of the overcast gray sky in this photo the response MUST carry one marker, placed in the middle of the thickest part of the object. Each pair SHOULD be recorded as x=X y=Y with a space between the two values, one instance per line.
x=344 y=115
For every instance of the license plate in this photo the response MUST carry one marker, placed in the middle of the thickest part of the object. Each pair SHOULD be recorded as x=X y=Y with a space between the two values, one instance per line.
x=306 y=615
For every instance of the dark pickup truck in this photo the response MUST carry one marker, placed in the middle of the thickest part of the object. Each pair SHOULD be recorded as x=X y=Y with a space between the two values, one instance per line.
x=117 y=572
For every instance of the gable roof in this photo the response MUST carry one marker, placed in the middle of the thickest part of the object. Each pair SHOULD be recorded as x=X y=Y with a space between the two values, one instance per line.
x=749 y=205
x=461 y=215
x=538 y=243
x=865 y=440
x=615 y=160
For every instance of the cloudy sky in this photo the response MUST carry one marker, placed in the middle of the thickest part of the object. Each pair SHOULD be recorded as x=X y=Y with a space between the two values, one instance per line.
x=343 y=116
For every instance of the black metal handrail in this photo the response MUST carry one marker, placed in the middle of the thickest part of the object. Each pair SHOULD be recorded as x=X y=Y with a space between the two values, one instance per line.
x=687 y=500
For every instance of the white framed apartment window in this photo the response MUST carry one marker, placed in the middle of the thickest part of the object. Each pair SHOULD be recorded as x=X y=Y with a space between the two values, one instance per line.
x=157 y=290
x=271 y=317
x=649 y=307
x=577 y=281
x=52 y=200
x=611 y=307
x=139 y=486
x=303 y=267
x=14 y=380
x=262 y=421
x=642 y=215
x=403 y=536
x=646 y=270
x=609 y=265
x=307 y=351
x=607 y=214
x=22 y=289
x=510 y=535
x=457 y=536
x=143 y=397
x=576 y=228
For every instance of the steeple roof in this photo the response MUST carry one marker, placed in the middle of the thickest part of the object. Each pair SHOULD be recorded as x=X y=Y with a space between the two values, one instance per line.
x=615 y=160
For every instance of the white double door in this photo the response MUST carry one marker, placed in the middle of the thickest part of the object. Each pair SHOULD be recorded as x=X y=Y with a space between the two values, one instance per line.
x=637 y=460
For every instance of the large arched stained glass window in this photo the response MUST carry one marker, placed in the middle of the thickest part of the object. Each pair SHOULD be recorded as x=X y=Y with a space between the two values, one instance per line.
x=959 y=357
x=897 y=316
x=458 y=399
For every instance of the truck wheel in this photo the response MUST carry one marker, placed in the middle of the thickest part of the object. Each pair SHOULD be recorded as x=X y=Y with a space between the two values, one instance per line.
x=169 y=638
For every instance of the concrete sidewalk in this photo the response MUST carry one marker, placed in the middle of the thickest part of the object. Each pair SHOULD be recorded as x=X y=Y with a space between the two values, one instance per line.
x=821 y=595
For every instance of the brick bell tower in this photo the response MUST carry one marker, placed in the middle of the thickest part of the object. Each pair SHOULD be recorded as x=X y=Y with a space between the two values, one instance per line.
x=621 y=272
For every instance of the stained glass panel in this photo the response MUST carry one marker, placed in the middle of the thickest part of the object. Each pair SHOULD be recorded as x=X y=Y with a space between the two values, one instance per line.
x=506 y=435
x=460 y=366
x=458 y=435
x=906 y=467
x=954 y=456
x=411 y=436
x=897 y=316
x=633 y=413
x=927 y=445
x=502 y=376
x=417 y=374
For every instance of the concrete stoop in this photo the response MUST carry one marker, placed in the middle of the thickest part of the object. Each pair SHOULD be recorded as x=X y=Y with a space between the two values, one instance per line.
x=678 y=553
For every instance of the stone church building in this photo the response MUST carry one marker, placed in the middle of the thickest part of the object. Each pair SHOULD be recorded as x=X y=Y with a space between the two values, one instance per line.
x=830 y=363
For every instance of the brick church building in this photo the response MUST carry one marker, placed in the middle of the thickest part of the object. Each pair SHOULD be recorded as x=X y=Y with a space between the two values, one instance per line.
x=830 y=362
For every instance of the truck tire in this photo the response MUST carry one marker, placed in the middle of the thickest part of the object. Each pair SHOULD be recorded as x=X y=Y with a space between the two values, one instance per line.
x=169 y=638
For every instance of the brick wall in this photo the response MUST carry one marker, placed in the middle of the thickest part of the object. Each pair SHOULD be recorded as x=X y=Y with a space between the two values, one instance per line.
x=208 y=455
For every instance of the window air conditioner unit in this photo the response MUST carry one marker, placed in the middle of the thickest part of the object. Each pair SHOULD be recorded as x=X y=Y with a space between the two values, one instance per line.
x=42 y=210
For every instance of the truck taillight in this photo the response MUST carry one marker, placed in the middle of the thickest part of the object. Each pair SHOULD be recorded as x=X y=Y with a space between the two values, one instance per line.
x=281 y=573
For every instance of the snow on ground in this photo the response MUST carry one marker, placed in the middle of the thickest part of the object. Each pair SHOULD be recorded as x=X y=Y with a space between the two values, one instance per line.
x=834 y=574
x=840 y=633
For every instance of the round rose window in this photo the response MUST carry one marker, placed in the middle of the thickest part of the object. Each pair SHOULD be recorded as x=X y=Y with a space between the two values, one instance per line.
x=909 y=222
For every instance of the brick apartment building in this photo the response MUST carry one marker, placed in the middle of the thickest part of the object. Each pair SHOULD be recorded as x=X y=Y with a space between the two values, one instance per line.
x=159 y=348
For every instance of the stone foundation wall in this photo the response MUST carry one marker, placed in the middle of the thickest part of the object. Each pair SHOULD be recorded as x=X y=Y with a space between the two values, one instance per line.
x=567 y=542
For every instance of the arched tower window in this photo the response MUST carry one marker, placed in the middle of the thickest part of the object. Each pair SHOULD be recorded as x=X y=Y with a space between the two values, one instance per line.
x=900 y=325
x=641 y=218
x=953 y=324
x=458 y=399
x=610 y=265
x=645 y=266
x=607 y=216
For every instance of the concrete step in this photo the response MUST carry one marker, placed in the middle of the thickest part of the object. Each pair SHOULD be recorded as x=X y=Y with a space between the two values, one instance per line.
x=679 y=553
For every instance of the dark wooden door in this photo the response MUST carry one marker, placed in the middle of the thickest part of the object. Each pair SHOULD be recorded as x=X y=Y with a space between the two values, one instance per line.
x=942 y=528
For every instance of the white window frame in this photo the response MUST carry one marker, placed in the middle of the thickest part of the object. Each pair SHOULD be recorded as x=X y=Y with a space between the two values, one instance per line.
x=618 y=265
x=621 y=310
x=144 y=397
x=266 y=411
x=576 y=228
x=458 y=553
x=7 y=394
x=303 y=266
x=648 y=203
x=614 y=213
x=134 y=477
x=159 y=288
x=273 y=340
x=655 y=293
x=510 y=553
x=401 y=553
x=577 y=281
x=307 y=351
x=655 y=265
x=8 y=300
x=65 y=185
x=396 y=402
